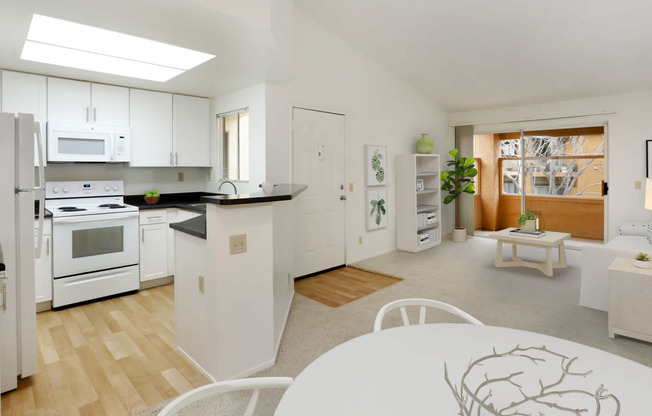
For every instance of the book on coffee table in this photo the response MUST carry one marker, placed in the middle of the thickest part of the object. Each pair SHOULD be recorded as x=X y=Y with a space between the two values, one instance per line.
x=521 y=233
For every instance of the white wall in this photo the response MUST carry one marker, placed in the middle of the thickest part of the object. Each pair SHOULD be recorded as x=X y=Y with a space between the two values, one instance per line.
x=254 y=98
x=629 y=125
x=330 y=75
x=137 y=180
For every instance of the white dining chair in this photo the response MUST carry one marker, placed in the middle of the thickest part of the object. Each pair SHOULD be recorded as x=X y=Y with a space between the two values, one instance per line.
x=214 y=389
x=422 y=304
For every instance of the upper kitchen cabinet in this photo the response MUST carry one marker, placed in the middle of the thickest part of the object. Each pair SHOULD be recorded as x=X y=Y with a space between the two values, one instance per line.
x=26 y=93
x=190 y=131
x=84 y=102
x=169 y=130
x=151 y=128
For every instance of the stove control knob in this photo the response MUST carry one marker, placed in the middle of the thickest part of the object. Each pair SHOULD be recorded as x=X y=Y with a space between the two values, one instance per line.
x=56 y=189
x=65 y=189
x=107 y=188
x=116 y=187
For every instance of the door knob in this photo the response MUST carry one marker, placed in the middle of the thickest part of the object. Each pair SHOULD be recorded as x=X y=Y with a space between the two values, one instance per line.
x=342 y=197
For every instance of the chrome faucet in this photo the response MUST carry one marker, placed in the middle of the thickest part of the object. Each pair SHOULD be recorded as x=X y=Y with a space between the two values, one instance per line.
x=235 y=190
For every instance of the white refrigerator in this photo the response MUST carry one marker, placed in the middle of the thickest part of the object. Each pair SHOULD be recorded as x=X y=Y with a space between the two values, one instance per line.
x=18 y=192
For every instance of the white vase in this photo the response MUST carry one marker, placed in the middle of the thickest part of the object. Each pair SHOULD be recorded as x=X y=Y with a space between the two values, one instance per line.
x=530 y=226
x=643 y=264
x=458 y=235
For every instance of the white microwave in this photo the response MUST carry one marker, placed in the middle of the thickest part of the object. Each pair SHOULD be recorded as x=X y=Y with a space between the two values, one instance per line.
x=81 y=142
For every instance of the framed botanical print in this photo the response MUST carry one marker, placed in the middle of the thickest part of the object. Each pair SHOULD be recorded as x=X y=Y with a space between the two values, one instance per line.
x=376 y=165
x=376 y=209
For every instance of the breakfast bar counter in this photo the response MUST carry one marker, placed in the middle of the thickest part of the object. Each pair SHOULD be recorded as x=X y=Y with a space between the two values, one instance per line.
x=231 y=282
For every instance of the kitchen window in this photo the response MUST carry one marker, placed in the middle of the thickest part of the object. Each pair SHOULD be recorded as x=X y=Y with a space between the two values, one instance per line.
x=233 y=132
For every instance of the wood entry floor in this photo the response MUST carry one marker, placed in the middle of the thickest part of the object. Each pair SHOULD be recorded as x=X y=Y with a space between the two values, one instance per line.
x=341 y=286
x=112 y=357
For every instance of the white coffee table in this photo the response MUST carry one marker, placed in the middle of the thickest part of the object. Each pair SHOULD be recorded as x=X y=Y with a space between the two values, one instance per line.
x=549 y=241
x=453 y=369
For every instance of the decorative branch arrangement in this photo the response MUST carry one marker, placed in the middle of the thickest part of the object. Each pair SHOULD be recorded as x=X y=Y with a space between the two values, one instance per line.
x=532 y=381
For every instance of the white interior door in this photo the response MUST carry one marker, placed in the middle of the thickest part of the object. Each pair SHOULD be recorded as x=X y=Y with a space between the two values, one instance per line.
x=318 y=160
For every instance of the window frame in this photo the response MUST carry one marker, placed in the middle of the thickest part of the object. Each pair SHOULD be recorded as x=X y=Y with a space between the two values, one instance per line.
x=221 y=151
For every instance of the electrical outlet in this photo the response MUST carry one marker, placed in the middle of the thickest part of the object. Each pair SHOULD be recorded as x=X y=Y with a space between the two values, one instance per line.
x=180 y=176
x=360 y=240
x=201 y=283
x=238 y=244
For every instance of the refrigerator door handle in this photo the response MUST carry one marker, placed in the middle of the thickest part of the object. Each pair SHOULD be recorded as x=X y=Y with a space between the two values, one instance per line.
x=40 y=189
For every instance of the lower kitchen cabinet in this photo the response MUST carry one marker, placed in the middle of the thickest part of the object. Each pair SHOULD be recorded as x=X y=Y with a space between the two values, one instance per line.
x=157 y=242
x=153 y=244
x=43 y=265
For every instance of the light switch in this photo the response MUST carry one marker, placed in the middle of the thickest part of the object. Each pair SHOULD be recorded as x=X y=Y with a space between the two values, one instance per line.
x=637 y=185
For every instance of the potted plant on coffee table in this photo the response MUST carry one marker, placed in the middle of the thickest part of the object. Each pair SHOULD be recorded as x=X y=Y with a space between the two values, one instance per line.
x=528 y=222
x=643 y=261
x=456 y=181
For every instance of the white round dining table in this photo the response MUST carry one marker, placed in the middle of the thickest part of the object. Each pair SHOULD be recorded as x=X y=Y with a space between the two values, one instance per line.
x=462 y=369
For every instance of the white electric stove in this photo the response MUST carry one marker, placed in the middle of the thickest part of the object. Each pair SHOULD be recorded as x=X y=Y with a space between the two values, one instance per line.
x=95 y=240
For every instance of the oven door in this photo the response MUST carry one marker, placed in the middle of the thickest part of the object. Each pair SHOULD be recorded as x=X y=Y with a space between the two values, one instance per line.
x=89 y=243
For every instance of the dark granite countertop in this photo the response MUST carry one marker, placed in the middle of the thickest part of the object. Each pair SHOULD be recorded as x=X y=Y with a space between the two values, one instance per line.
x=281 y=192
x=194 y=226
x=197 y=226
x=190 y=201
x=46 y=213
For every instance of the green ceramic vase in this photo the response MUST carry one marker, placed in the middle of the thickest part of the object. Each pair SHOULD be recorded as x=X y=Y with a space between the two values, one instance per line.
x=424 y=144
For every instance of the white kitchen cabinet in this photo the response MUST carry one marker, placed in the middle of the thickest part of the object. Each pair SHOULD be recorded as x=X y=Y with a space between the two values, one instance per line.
x=150 y=114
x=418 y=202
x=190 y=131
x=26 y=93
x=169 y=130
x=84 y=102
x=43 y=265
x=153 y=244
x=176 y=215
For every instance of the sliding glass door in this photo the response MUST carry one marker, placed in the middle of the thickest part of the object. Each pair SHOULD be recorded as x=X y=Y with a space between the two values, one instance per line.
x=558 y=174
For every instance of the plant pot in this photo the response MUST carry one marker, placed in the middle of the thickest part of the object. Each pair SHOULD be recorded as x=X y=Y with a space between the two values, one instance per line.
x=530 y=226
x=458 y=235
x=643 y=264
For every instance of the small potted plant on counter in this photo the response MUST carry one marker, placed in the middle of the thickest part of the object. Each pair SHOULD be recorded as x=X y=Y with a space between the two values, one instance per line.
x=642 y=260
x=528 y=222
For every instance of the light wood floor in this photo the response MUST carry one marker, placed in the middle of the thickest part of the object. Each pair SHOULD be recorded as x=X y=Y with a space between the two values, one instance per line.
x=341 y=286
x=113 y=357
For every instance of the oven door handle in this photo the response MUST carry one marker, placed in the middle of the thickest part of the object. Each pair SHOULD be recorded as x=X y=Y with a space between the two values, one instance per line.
x=97 y=217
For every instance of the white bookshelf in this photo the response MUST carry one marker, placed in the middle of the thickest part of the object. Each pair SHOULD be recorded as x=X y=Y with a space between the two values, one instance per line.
x=418 y=212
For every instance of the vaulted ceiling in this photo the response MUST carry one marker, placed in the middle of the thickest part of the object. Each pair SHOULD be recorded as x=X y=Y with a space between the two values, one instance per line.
x=469 y=54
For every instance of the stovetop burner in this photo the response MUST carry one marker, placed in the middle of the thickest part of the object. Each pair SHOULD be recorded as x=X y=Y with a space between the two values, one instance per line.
x=71 y=209
x=111 y=206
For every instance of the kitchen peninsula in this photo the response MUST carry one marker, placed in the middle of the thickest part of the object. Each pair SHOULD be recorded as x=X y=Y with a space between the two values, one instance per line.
x=232 y=282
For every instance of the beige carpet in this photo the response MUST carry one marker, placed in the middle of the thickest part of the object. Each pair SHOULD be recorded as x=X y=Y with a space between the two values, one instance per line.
x=464 y=275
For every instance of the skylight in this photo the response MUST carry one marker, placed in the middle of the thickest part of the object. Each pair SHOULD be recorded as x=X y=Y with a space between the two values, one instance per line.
x=74 y=45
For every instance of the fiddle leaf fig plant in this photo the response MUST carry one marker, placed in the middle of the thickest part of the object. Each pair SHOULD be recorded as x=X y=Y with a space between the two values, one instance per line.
x=458 y=180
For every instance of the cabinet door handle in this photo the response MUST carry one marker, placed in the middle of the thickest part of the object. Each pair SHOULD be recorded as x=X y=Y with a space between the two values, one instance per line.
x=176 y=158
x=171 y=162
x=47 y=246
x=95 y=114
x=88 y=114
x=142 y=235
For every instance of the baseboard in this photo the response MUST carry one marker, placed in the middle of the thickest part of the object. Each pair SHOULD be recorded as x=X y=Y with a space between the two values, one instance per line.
x=280 y=337
x=43 y=306
x=197 y=366
x=263 y=366
x=148 y=284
